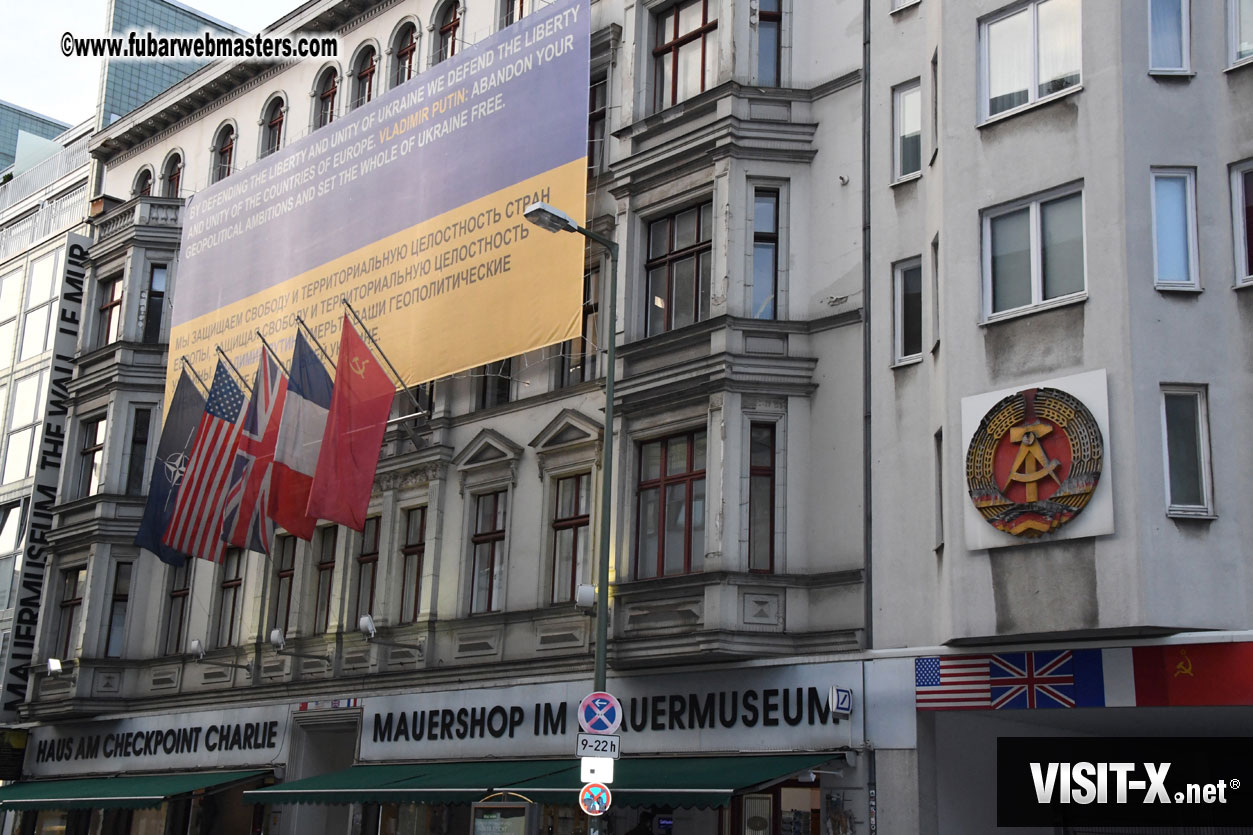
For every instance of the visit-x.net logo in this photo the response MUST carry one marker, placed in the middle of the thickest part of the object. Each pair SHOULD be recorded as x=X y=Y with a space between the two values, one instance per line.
x=1123 y=781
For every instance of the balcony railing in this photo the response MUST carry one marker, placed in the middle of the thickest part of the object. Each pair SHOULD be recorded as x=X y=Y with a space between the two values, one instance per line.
x=50 y=218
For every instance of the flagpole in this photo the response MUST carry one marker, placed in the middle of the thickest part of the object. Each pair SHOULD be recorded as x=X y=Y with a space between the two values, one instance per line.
x=417 y=406
x=242 y=381
x=312 y=336
x=273 y=354
x=194 y=372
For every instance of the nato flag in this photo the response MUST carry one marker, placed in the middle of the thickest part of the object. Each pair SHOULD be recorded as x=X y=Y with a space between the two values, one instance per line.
x=177 y=438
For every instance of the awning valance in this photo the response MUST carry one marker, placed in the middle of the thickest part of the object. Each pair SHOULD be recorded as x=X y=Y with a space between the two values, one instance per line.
x=638 y=781
x=132 y=791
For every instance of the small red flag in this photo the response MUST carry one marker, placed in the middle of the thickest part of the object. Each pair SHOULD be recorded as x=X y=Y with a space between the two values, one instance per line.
x=360 y=405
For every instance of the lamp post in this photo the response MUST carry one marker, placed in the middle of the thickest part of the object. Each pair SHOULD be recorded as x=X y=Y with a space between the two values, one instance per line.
x=555 y=220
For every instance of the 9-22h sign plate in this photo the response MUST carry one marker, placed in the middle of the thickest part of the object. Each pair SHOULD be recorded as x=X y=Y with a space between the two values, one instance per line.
x=598 y=745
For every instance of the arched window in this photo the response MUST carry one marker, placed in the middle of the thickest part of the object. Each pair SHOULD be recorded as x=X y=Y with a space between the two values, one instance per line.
x=363 y=77
x=272 y=127
x=405 y=48
x=171 y=174
x=515 y=10
x=223 y=153
x=449 y=22
x=143 y=183
x=327 y=87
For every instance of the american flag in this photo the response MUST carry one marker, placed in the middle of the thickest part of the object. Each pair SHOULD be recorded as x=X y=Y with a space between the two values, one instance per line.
x=952 y=682
x=246 y=521
x=195 y=526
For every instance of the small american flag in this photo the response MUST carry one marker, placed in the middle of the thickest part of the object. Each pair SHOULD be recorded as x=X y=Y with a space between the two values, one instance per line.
x=952 y=682
x=195 y=528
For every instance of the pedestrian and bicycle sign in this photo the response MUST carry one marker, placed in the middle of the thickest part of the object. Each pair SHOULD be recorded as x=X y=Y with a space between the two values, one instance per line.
x=594 y=799
x=600 y=713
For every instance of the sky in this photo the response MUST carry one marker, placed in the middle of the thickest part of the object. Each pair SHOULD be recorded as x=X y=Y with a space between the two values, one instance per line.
x=34 y=74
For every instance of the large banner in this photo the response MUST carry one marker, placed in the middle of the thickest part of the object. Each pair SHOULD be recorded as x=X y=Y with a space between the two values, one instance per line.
x=411 y=208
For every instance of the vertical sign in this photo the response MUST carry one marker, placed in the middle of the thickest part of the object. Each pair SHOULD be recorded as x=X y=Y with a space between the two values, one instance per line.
x=49 y=455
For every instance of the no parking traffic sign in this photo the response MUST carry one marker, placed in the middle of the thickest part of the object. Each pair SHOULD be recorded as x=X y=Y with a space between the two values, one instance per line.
x=594 y=798
x=600 y=713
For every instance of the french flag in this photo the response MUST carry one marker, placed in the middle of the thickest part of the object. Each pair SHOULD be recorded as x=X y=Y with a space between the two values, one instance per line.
x=299 y=440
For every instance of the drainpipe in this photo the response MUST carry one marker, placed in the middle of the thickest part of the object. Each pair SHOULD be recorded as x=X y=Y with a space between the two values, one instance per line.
x=867 y=539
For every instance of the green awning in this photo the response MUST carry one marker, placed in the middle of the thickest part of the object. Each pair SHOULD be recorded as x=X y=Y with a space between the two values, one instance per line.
x=638 y=781
x=125 y=792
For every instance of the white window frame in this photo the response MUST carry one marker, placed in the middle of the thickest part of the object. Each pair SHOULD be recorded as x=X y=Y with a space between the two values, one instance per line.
x=1033 y=90
x=1038 y=302
x=1185 y=28
x=1233 y=38
x=1194 y=270
x=899 y=357
x=898 y=93
x=1244 y=275
x=1206 y=509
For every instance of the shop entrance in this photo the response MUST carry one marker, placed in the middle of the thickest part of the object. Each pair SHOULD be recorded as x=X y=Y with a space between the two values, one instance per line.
x=319 y=746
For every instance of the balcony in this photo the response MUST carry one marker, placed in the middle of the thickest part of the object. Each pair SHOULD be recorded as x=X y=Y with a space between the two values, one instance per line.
x=160 y=217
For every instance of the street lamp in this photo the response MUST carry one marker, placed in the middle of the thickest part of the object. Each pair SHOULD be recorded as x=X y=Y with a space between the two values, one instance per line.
x=555 y=220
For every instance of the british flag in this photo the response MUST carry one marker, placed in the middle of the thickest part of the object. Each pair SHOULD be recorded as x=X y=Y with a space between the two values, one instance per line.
x=1032 y=679
x=246 y=522
x=1010 y=680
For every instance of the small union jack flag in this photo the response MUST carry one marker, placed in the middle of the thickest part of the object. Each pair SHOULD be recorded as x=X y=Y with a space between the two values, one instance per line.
x=246 y=521
x=1032 y=679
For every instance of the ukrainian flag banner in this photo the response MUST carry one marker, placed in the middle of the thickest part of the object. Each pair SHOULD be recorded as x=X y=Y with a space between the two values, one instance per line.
x=411 y=208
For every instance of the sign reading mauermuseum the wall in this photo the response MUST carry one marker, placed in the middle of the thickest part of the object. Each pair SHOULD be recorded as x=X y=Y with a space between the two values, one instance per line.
x=775 y=708
x=251 y=736
x=410 y=207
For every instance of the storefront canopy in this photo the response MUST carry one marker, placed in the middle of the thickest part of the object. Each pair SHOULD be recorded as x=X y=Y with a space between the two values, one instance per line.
x=124 y=792
x=638 y=781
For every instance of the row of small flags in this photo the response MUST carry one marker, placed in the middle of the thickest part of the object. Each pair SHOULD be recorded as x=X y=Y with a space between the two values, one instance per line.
x=299 y=450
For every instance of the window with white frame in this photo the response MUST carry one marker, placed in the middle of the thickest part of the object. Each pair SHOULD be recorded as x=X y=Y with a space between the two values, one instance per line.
x=118 y=602
x=1033 y=253
x=38 y=327
x=30 y=393
x=1242 y=214
x=1027 y=53
x=12 y=544
x=10 y=307
x=570 y=524
x=367 y=567
x=1240 y=24
x=1185 y=442
x=413 y=553
x=176 y=607
x=769 y=43
x=230 y=597
x=488 y=543
x=1169 y=36
x=907 y=307
x=91 y=456
x=907 y=130
x=73 y=585
x=1174 y=229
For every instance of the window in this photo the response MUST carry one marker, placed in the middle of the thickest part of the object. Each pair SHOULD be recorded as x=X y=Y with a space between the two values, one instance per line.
x=10 y=307
x=907 y=130
x=1029 y=54
x=367 y=567
x=938 y=512
x=30 y=394
x=1185 y=427
x=12 y=544
x=907 y=306
x=680 y=260
x=935 y=104
x=154 y=308
x=327 y=87
x=765 y=253
x=685 y=54
x=769 y=43
x=231 y=583
x=143 y=183
x=489 y=545
x=935 y=292
x=1169 y=36
x=73 y=583
x=1174 y=229
x=1240 y=22
x=1033 y=253
x=180 y=590
x=38 y=328
x=449 y=22
x=413 y=552
x=284 y=558
x=598 y=95
x=110 y=311
x=272 y=130
x=578 y=356
x=1242 y=212
x=494 y=383
x=363 y=77
x=515 y=10
x=326 y=578
x=91 y=457
x=172 y=173
x=405 y=48
x=223 y=154
x=113 y=644
x=761 y=497
x=572 y=499
x=670 y=533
